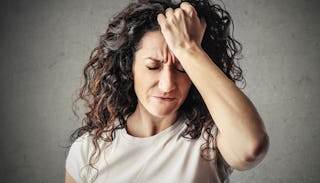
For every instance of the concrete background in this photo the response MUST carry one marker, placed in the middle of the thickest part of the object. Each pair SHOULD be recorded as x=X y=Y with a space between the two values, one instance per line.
x=45 y=44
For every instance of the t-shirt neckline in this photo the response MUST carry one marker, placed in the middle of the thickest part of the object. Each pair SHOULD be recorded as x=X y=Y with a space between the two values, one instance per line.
x=173 y=128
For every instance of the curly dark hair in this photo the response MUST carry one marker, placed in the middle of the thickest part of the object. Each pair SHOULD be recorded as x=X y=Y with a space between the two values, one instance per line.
x=108 y=85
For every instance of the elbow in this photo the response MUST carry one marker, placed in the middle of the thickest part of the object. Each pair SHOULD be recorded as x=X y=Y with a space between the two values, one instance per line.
x=261 y=147
x=256 y=152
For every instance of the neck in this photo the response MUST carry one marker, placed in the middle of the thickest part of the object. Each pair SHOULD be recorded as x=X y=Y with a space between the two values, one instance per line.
x=143 y=124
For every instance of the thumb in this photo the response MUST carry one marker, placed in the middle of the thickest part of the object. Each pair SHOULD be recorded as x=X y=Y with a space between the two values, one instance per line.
x=203 y=26
x=203 y=23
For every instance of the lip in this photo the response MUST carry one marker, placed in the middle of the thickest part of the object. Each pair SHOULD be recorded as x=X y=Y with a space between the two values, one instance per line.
x=165 y=98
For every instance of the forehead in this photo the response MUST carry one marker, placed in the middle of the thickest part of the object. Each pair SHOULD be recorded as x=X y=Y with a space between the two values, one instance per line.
x=152 y=41
x=153 y=45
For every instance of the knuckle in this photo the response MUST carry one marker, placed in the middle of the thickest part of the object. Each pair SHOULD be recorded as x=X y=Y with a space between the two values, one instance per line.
x=188 y=8
x=178 y=11
x=160 y=17
x=185 y=4
x=168 y=10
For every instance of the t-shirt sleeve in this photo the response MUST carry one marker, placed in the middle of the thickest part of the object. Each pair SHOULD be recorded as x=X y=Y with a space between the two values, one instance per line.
x=77 y=159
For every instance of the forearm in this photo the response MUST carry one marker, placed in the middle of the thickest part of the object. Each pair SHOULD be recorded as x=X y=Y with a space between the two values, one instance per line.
x=234 y=114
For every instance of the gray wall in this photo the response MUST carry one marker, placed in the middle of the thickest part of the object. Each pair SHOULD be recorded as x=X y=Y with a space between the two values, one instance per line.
x=44 y=45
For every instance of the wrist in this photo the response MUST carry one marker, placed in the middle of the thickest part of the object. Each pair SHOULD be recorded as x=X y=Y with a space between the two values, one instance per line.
x=188 y=50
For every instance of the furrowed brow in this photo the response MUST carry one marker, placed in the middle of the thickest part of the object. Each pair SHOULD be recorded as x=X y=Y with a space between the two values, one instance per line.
x=153 y=59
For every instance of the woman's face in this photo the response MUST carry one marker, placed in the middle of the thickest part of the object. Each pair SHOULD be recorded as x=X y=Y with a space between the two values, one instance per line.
x=160 y=82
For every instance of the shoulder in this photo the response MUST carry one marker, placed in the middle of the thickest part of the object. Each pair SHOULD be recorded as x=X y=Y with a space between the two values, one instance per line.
x=78 y=156
x=81 y=145
x=83 y=156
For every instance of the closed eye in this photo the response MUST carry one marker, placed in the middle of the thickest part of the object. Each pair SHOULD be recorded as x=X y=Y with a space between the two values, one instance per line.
x=152 y=68
x=180 y=70
x=179 y=67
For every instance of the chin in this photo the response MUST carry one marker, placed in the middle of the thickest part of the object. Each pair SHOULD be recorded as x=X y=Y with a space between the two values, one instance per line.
x=162 y=113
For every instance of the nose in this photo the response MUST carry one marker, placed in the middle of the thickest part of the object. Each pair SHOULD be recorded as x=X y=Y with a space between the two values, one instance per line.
x=166 y=80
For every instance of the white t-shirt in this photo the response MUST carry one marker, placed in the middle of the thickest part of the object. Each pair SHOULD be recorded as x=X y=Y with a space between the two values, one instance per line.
x=166 y=157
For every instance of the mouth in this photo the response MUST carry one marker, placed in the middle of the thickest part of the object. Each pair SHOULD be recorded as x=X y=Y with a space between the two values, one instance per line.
x=168 y=99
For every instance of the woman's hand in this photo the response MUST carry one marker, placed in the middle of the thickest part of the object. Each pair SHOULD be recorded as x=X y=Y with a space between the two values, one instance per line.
x=181 y=27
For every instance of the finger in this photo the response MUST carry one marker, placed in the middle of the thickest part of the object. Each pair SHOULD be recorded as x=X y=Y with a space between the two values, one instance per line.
x=169 y=12
x=188 y=8
x=161 y=19
x=178 y=12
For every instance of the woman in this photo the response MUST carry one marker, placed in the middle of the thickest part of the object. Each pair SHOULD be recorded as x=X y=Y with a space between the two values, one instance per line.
x=163 y=104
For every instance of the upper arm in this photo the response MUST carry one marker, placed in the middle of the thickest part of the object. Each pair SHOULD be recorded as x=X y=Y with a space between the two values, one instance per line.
x=227 y=153
x=69 y=178
x=234 y=158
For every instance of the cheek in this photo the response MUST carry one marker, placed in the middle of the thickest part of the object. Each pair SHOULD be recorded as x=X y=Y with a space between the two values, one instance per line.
x=142 y=79
x=137 y=73
x=185 y=84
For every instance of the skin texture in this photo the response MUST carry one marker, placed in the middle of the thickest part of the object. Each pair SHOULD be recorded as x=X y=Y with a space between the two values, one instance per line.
x=242 y=139
x=161 y=86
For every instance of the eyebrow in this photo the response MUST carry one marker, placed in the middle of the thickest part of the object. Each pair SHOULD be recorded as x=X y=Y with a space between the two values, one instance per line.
x=154 y=59
x=158 y=60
